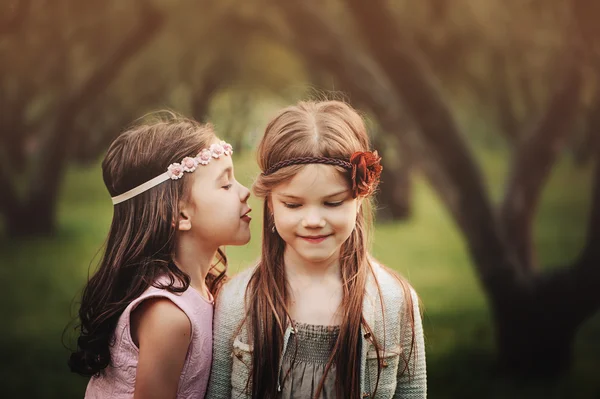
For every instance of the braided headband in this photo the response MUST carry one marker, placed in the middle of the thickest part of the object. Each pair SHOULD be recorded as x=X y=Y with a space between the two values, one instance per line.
x=175 y=170
x=365 y=166
x=308 y=160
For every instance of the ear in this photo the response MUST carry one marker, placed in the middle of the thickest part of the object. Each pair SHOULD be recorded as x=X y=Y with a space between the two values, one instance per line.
x=184 y=222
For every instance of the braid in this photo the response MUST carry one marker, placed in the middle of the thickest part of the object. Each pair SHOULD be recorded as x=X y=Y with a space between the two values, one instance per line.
x=308 y=160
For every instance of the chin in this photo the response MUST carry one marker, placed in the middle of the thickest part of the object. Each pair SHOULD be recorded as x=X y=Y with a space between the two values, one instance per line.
x=242 y=239
x=315 y=257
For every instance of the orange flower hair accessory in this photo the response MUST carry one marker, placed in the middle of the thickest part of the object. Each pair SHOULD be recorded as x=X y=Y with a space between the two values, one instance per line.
x=366 y=170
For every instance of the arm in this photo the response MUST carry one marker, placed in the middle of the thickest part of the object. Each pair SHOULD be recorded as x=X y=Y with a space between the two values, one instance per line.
x=413 y=383
x=162 y=332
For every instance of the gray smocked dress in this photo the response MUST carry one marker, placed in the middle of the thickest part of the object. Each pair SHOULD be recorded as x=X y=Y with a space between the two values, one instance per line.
x=301 y=375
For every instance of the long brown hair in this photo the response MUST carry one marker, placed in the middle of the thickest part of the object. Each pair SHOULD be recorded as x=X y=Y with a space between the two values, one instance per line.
x=141 y=240
x=309 y=129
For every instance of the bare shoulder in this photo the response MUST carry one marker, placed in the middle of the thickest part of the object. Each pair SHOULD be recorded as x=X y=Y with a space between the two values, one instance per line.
x=158 y=318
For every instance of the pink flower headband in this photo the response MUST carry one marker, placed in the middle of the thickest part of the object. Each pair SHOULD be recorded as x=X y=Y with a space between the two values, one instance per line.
x=175 y=170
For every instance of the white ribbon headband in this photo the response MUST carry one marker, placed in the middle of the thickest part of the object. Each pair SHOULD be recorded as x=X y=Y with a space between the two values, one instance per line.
x=175 y=170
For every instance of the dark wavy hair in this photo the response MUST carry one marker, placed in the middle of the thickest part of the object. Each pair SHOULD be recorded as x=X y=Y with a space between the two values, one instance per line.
x=141 y=241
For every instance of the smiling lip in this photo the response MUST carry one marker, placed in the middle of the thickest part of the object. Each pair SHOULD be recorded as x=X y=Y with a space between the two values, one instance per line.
x=314 y=239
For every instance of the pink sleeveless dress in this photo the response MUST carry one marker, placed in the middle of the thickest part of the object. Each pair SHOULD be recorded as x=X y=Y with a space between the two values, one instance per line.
x=117 y=381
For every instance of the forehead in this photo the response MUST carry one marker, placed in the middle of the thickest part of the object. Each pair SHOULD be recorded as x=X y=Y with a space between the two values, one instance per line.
x=314 y=180
x=214 y=169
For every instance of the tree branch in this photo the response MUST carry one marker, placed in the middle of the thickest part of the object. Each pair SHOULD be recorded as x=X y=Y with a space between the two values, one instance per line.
x=585 y=13
x=366 y=84
x=503 y=92
x=532 y=163
x=99 y=80
x=45 y=182
x=211 y=80
x=9 y=200
x=359 y=77
x=414 y=82
x=18 y=18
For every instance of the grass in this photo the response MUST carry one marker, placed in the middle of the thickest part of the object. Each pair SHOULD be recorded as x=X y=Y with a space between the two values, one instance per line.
x=42 y=277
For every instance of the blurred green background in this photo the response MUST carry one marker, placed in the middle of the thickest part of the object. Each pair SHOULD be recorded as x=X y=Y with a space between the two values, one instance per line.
x=487 y=113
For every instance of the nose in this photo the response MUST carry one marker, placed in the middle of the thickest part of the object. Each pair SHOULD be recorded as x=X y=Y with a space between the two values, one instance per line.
x=313 y=220
x=244 y=193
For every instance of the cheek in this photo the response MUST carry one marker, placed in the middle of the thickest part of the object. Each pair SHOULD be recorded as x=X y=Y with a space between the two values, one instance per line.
x=205 y=206
x=344 y=219
x=216 y=208
x=284 y=216
x=286 y=220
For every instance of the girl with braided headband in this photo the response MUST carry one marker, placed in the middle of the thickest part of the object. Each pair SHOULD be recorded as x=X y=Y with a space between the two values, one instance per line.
x=318 y=317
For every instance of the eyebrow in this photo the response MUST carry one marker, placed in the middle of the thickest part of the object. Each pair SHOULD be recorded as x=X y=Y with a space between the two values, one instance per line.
x=327 y=196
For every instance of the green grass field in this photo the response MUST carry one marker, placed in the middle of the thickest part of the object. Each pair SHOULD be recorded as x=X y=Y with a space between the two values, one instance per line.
x=41 y=278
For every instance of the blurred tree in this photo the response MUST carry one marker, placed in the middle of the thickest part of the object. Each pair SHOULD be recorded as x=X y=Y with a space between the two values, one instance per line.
x=77 y=76
x=330 y=50
x=61 y=59
x=385 y=67
x=14 y=16
x=394 y=198
x=415 y=67
x=525 y=302
x=589 y=140
x=586 y=13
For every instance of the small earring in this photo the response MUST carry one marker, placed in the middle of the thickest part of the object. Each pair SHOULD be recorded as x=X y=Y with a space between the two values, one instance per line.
x=273 y=230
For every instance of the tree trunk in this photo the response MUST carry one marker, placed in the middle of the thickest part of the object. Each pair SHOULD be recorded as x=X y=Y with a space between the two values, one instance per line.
x=394 y=198
x=536 y=334
x=531 y=338
x=590 y=138
x=395 y=194
x=32 y=218
x=35 y=213
x=15 y=22
x=530 y=341
x=536 y=316
x=533 y=160
x=536 y=326
x=468 y=200
x=214 y=77
x=367 y=87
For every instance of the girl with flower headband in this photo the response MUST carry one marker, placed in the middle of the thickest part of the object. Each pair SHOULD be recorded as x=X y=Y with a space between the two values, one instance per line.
x=146 y=314
x=318 y=317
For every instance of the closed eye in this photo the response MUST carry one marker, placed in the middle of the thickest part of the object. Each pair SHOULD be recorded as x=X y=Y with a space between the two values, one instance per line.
x=227 y=187
x=334 y=204
x=291 y=205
